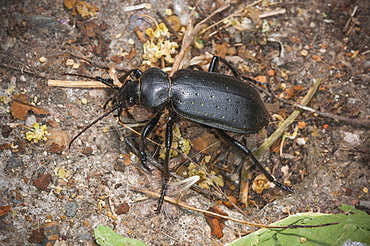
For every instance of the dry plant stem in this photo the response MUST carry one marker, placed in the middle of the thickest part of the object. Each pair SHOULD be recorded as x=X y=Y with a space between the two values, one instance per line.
x=232 y=15
x=190 y=207
x=328 y=115
x=272 y=13
x=189 y=36
x=168 y=25
x=278 y=132
x=22 y=70
x=350 y=22
x=324 y=114
x=76 y=84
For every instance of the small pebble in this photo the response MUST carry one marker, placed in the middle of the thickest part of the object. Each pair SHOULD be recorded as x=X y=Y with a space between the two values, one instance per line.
x=13 y=163
x=43 y=59
x=352 y=138
x=71 y=209
x=301 y=141
x=85 y=237
x=70 y=62
x=304 y=52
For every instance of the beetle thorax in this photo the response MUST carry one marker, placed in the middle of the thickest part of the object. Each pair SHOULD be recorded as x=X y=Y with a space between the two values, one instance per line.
x=154 y=87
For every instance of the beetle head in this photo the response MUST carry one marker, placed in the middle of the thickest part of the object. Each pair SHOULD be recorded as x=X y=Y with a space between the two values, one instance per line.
x=127 y=95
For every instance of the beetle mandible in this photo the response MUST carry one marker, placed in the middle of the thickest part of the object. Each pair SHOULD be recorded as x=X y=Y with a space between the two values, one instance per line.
x=216 y=100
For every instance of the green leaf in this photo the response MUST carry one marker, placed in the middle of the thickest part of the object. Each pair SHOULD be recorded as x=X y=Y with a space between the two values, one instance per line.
x=353 y=227
x=107 y=237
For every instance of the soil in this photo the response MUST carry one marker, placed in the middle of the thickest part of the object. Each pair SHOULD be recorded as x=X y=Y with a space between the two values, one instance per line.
x=54 y=195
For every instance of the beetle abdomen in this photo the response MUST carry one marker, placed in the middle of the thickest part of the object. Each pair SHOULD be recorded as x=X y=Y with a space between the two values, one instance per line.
x=218 y=101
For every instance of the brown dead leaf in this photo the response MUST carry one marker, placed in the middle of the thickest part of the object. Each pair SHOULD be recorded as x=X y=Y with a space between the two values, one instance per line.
x=58 y=140
x=245 y=53
x=37 y=236
x=221 y=49
x=131 y=54
x=43 y=181
x=81 y=7
x=4 y=210
x=117 y=59
x=292 y=92
x=123 y=208
x=229 y=204
x=205 y=143
x=316 y=58
x=296 y=40
x=88 y=151
x=4 y=146
x=140 y=34
x=261 y=78
x=271 y=73
x=89 y=29
x=69 y=4
x=20 y=107
x=216 y=223
x=301 y=125
x=275 y=147
x=55 y=148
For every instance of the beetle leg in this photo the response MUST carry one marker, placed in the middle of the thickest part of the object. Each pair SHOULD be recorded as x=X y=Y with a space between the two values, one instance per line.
x=146 y=131
x=166 y=172
x=246 y=151
x=136 y=72
x=213 y=66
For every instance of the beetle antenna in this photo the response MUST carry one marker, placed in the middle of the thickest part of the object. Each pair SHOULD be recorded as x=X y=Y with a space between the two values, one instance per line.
x=92 y=123
x=108 y=82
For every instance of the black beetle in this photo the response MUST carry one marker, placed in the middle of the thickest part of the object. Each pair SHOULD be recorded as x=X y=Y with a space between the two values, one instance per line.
x=216 y=100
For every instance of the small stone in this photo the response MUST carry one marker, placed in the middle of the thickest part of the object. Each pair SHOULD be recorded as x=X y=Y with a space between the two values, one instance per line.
x=301 y=141
x=14 y=163
x=71 y=209
x=85 y=237
x=43 y=59
x=351 y=138
x=304 y=52
x=70 y=62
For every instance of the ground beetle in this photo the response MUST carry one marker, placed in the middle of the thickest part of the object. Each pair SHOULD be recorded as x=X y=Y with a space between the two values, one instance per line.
x=216 y=100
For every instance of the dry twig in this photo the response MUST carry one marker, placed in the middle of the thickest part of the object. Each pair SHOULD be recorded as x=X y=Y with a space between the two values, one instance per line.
x=76 y=84
x=190 y=207
x=189 y=36
x=279 y=131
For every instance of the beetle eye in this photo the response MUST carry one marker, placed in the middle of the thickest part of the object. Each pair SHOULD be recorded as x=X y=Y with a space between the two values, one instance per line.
x=130 y=102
